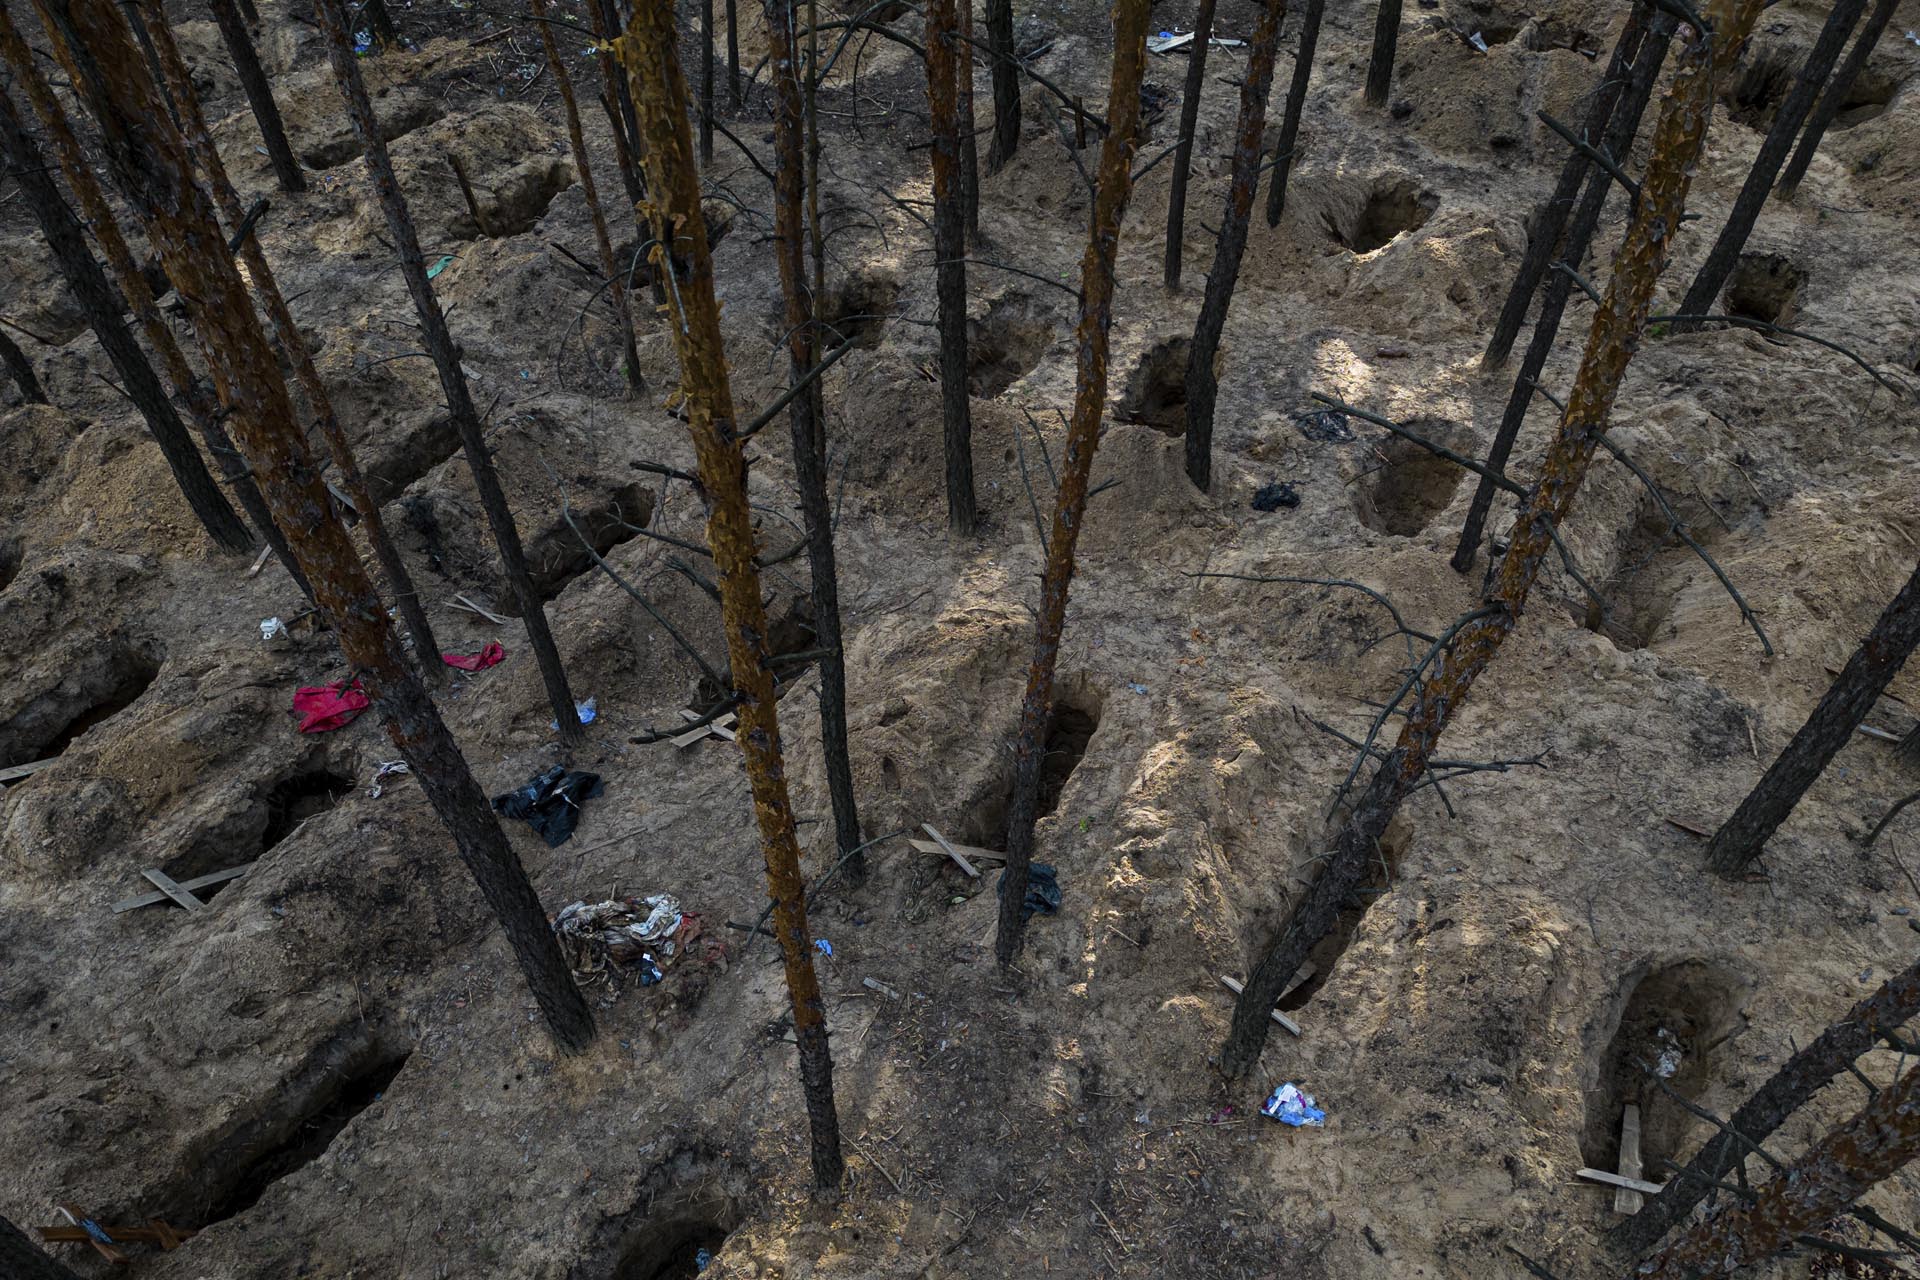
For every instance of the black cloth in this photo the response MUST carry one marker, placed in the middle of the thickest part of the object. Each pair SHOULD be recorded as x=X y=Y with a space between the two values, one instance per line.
x=550 y=802
x=1043 y=890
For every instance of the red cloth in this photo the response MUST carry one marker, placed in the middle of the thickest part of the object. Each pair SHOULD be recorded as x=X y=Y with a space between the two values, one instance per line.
x=475 y=661
x=325 y=707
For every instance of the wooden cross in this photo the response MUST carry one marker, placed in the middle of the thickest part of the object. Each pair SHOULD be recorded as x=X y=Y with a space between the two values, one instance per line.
x=178 y=891
x=81 y=1230
x=721 y=728
x=15 y=772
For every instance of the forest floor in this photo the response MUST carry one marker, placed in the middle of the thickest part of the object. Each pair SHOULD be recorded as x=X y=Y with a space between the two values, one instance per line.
x=335 y=1069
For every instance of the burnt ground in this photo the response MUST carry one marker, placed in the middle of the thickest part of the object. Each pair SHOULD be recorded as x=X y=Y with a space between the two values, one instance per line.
x=334 y=1069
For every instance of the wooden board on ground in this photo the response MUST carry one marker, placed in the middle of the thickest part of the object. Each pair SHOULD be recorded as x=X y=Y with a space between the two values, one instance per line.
x=198 y=882
x=721 y=728
x=467 y=603
x=972 y=853
x=15 y=772
x=1615 y=1180
x=1234 y=985
x=947 y=848
x=172 y=889
x=1626 y=1199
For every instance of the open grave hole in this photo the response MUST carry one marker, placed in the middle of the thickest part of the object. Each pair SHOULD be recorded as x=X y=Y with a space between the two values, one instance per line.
x=1068 y=734
x=397 y=114
x=685 y=1210
x=858 y=311
x=289 y=1131
x=87 y=697
x=1382 y=874
x=1156 y=390
x=1408 y=486
x=555 y=558
x=1639 y=588
x=1004 y=344
x=1553 y=33
x=789 y=634
x=1867 y=98
x=515 y=204
x=276 y=812
x=12 y=552
x=428 y=442
x=982 y=820
x=1762 y=83
x=1371 y=220
x=1673 y=1027
x=1765 y=287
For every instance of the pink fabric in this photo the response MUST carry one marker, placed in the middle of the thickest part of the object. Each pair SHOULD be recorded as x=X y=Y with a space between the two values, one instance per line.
x=326 y=707
x=480 y=661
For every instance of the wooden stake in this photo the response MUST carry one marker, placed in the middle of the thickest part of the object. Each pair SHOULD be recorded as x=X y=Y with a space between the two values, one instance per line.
x=1234 y=985
x=1625 y=1198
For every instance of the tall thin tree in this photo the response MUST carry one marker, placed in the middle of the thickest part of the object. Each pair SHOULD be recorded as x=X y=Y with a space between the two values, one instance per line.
x=1183 y=143
x=1386 y=38
x=1472 y=642
x=20 y=369
x=950 y=260
x=180 y=222
x=804 y=418
x=1835 y=97
x=259 y=91
x=1831 y=726
x=651 y=56
x=969 y=144
x=1006 y=85
x=706 y=82
x=1114 y=185
x=446 y=359
x=1283 y=149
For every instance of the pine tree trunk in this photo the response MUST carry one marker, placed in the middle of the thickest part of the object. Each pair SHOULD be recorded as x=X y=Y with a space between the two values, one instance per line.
x=1792 y=111
x=102 y=308
x=1829 y=104
x=706 y=82
x=652 y=59
x=253 y=82
x=22 y=1259
x=1785 y=1092
x=1551 y=217
x=1115 y=186
x=1183 y=146
x=969 y=145
x=1677 y=142
x=1869 y=1148
x=453 y=382
x=950 y=261
x=1296 y=103
x=181 y=224
x=1621 y=130
x=1006 y=85
x=803 y=415
x=1202 y=387
x=1831 y=726
x=1386 y=36
x=733 y=52
x=626 y=129
x=20 y=369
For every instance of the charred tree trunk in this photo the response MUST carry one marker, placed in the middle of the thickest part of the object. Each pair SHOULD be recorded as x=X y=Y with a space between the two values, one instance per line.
x=22 y=1259
x=1183 y=145
x=446 y=358
x=287 y=336
x=626 y=129
x=1296 y=103
x=1115 y=186
x=577 y=138
x=649 y=52
x=1830 y=102
x=969 y=144
x=1677 y=142
x=20 y=369
x=1551 y=217
x=950 y=254
x=102 y=309
x=1386 y=37
x=144 y=38
x=1006 y=85
x=380 y=22
x=182 y=226
x=809 y=428
x=1618 y=140
x=1787 y=119
x=1875 y=1144
x=733 y=52
x=1831 y=726
x=706 y=82
x=1790 y=1088
x=253 y=81
x=1202 y=388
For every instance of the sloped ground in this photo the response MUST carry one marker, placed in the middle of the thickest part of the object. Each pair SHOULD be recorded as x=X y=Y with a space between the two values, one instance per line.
x=335 y=1069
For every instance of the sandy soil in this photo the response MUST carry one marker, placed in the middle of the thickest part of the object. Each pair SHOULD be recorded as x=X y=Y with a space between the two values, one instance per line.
x=335 y=1070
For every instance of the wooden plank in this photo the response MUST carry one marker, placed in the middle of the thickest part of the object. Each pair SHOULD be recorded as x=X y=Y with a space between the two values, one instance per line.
x=1234 y=985
x=259 y=562
x=1626 y=1199
x=1615 y=1180
x=691 y=736
x=718 y=728
x=972 y=852
x=15 y=772
x=198 y=882
x=1300 y=975
x=75 y=1215
x=946 y=848
x=464 y=602
x=172 y=889
x=1690 y=829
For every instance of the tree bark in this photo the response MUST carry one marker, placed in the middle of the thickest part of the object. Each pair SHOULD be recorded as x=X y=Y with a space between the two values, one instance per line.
x=1677 y=142
x=626 y=129
x=969 y=144
x=453 y=382
x=20 y=369
x=1551 y=217
x=950 y=262
x=102 y=309
x=1115 y=186
x=1831 y=726
x=733 y=52
x=1296 y=103
x=1202 y=387
x=706 y=82
x=649 y=52
x=1725 y=253
x=1183 y=145
x=1829 y=104
x=1618 y=140
x=287 y=337
x=1386 y=36
x=182 y=226
x=808 y=427
x=253 y=81
x=22 y=1259
x=1872 y=1146
x=1785 y=1092
x=1006 y=85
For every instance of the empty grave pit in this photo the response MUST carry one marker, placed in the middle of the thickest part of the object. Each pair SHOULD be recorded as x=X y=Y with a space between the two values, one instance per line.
x=556 y=556
x=1373 y=216
x=1758 y=87
x=687 y=1207
x=1407 y=486
x=790 y=634
x=1156 y=390
x=278 y=810
x=1649 y=567
x=982 y=822
x=1867 y=98
x=99 y=686
x=1765 y=287
x=1006 y=343
x=12 y=552
x=856 y=313
x=1325 y=954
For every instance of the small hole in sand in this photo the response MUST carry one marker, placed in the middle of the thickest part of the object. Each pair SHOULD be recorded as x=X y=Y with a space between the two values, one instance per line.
x=1410 y=486
x=1156 y=392
x=1390 y=208
x=1005 y=344
x=1765 y=287
x=858 y=311
x=1758 y=89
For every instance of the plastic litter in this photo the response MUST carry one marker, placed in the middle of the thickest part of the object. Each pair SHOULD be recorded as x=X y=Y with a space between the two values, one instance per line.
x=1913 y=37
x=386 y=769
x=1043 y=890
x=1671 y=1054
x=701 y=1259
x=272 y=629
x=327 y=707
x=824 y=947
x=1168 y=41
x=1273 y=497
x=550 y=802
x=1478 y=41
x=1326 y=426
x=439 y=266
x=492 y=655
x=362 y=41
x=587 y=711
x=1136 y=686
x=642 y=936
x=1290 y=1106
